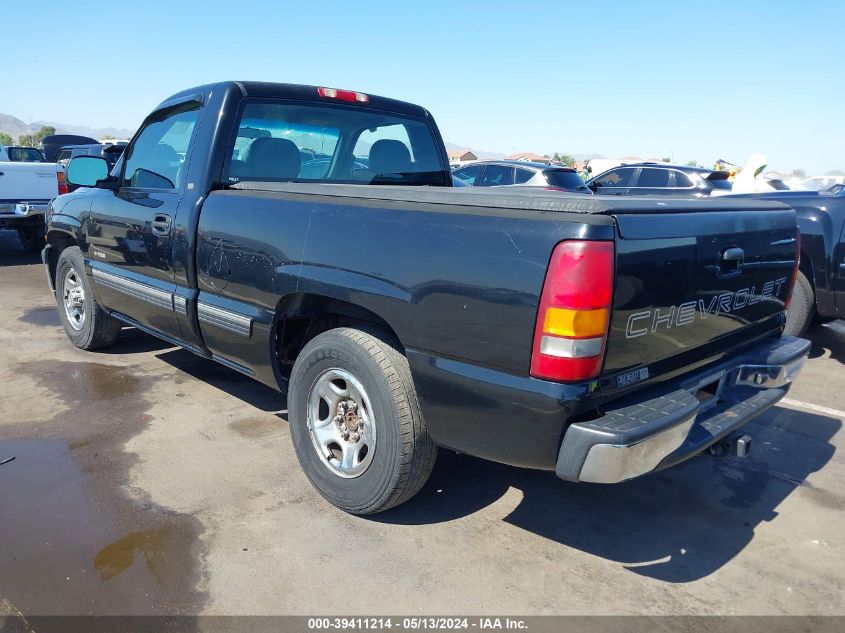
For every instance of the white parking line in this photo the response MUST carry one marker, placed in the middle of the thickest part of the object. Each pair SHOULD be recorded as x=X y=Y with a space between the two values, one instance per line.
x=797 y=404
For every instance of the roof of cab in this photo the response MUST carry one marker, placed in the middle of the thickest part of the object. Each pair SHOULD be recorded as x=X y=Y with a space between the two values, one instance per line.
x=295 y=91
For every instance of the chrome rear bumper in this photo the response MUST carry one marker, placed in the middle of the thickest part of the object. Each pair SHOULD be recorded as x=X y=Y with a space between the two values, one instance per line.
x=17 y=210
x=642 y=437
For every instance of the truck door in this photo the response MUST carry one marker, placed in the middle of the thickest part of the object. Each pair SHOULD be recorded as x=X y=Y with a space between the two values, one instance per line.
x=131 y=230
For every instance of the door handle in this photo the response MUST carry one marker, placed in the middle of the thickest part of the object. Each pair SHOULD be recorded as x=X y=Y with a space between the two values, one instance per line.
x=731 y=262
x=161 y=225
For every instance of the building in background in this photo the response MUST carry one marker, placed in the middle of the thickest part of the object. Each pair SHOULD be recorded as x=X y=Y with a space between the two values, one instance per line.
x=460 y=156
x=530 y=157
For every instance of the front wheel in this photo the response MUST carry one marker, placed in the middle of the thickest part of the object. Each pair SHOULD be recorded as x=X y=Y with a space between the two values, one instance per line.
x=355 y=421
x=86 y=324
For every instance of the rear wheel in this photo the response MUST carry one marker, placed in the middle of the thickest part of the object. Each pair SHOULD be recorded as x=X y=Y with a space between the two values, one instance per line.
x=86 y=324
x=32 y=238
x=356 y=425
x=802 y=307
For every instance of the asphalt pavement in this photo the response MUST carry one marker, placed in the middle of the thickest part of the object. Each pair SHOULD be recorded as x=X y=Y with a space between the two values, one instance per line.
x=146 y=480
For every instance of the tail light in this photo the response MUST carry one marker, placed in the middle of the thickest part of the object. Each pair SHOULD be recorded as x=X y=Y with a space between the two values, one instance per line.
x=571 y=329
x=343 y=95
x=794 y=269
x=60 y=176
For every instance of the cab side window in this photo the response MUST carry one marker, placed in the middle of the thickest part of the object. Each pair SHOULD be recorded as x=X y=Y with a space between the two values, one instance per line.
x=495 y=176
x=467 y=174
x=616 y=178
x=156 y=157
x=523 y=175
x=657 y=178
x=682 y=180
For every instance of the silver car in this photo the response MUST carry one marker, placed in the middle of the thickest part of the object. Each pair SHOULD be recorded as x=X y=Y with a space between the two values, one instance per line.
x=497 y=173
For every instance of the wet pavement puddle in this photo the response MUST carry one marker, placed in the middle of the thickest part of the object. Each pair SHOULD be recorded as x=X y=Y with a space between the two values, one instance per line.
x=72 y=538
x=46 y=316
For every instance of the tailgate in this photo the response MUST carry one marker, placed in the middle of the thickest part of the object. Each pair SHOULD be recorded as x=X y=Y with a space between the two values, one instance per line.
x=694 y=285
x=23 y=182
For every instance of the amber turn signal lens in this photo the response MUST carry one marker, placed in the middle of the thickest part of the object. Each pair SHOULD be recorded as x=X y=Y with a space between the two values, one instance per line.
x=575 y=323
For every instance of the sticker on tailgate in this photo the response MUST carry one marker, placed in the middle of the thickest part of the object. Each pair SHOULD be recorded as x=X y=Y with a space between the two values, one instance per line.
x=631 y=377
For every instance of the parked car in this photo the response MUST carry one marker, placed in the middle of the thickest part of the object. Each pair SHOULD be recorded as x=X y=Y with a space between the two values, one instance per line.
x=820 y=183
x=601 y=340
x=27 y=183
x=819 y=293
x=651 y=179
x=53 y=144
x=17 y=154
x=496 y=173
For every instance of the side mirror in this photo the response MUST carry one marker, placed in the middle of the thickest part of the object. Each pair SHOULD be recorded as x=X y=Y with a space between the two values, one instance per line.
x=593 y=185
x=87 y=171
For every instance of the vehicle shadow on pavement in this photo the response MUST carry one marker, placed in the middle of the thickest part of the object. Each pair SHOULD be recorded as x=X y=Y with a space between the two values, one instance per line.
x=828 y=338
x=677 y=525
x=245 y=389
x=12 y=253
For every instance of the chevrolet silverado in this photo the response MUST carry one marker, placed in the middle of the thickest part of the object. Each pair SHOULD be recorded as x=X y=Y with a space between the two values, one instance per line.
x=309 y=237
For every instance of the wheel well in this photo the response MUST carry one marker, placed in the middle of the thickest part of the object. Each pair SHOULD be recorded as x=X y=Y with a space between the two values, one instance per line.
x=302 y=316
x=58 y=242
x=806 y=267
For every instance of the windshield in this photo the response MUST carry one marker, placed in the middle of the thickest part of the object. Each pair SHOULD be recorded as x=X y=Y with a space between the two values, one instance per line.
x=25 y=155
x=281 y=142
x=565 y=179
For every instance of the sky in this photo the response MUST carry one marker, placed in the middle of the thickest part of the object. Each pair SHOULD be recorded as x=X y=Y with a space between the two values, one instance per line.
x=686 y=80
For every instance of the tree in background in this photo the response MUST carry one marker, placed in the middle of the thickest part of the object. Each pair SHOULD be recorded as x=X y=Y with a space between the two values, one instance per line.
x=34 y=140
x=566 y=159
x=692 y=163
x=666 y=159
x=799 y=173
x=835 y=172
x=6 y=139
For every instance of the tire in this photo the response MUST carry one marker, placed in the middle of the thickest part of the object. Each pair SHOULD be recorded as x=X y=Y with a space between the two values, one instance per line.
x=32 y=238
x=86 y=324
x=368 y=369
x=802 y=308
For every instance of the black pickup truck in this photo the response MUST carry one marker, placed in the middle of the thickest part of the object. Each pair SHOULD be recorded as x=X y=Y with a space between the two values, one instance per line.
x=309 y=238
x=819 y=293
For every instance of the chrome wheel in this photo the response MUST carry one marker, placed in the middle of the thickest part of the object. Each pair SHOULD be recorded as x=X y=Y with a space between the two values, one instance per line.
x=73 y=294
x=341 y=424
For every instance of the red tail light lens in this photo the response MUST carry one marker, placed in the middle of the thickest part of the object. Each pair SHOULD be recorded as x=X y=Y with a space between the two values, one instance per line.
x=794 y=268
x=60 y=176
x=574 y=312
x=343 y=95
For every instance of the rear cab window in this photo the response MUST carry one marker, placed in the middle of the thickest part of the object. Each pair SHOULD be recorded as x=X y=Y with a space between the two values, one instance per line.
x=283 y=141
x=25 y=155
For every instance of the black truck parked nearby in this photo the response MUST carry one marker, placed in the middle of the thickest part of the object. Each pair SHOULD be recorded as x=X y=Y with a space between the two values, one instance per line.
x=819 y=293
x=820 y=285
x=601 y=338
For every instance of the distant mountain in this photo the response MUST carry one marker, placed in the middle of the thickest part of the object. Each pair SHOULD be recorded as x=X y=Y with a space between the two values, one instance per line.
x=481 y=153
x=14 y=127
